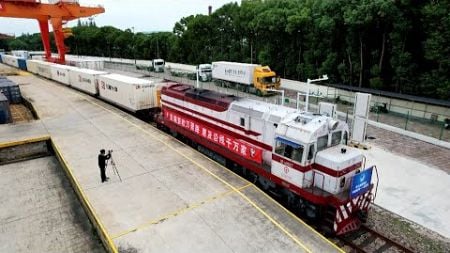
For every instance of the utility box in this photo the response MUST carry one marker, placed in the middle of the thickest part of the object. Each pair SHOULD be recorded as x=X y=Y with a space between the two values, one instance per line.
x=360 y=116
x=328 y=109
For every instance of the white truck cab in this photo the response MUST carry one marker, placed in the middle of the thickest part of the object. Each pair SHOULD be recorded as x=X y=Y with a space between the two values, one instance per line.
x=158 y=65
x=205 y=72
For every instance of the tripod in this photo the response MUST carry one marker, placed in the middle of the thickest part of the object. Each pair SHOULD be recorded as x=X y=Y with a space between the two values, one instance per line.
x=114 y=167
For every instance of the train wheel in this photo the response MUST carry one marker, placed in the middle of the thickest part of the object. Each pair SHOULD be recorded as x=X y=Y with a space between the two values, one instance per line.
x=265 y=184
x=250 y=175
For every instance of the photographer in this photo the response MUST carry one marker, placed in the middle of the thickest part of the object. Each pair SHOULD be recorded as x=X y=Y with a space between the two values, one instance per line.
x=102 y=159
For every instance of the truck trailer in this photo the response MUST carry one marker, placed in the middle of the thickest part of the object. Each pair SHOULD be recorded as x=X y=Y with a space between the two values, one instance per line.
x=252 y=78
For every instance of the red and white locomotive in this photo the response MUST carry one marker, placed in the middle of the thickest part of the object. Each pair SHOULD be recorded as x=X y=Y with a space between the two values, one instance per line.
x=299 y=155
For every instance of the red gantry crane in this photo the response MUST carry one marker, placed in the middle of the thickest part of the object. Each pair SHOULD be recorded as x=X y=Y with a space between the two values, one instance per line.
x=57 y=12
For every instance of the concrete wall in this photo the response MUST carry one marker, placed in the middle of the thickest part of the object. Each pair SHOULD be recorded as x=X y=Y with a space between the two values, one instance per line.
x=23 y=151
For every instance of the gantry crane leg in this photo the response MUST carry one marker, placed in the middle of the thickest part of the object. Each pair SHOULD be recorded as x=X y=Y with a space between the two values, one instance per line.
x=45 y=36
x=59 y=38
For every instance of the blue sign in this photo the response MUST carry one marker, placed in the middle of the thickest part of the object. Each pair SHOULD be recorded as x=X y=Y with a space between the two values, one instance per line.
x=361 y=182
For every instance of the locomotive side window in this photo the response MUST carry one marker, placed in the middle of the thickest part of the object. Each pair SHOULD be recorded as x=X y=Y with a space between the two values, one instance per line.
x=294 y=151
x=322 y=142
x=242 y=122
x=311 y=152
x=344 y=140
x=336 y=138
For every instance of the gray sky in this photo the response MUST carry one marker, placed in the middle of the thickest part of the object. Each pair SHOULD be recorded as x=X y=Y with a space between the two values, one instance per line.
x=143 y=15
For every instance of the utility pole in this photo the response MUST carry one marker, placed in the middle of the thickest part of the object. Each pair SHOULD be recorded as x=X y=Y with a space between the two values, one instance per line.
x=308 y=83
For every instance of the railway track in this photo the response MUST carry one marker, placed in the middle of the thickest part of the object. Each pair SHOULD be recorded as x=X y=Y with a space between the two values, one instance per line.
x=367 y=240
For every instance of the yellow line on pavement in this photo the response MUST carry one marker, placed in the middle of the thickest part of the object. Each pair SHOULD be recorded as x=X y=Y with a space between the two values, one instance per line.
x=180 y=211
x=90 y=211
x=26 y=141
x=252 y=203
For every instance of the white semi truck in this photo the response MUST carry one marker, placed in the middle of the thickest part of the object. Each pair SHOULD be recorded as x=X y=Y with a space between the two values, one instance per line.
x=158 y=65
x=252 y=78
x=205 y=72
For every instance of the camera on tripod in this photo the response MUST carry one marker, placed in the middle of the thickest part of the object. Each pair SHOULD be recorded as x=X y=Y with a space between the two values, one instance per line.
x=113 y=164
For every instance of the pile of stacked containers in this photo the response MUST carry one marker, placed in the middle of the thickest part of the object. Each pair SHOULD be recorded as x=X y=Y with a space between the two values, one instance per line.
x=85 y=80
x=130 y=93
x=5 y=113
x=11 y=90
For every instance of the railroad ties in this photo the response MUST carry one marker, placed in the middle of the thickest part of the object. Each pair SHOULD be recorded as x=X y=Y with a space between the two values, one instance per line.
x=368 y=240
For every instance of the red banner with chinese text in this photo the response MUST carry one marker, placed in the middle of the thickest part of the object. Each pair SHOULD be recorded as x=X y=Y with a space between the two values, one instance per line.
x=238 y=146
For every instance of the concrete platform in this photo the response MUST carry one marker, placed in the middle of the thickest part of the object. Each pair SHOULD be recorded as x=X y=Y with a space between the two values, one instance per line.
x=40 y=212
x=172 y=198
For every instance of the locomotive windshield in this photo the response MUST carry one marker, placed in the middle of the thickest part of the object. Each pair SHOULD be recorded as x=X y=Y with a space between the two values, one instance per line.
x=289 y=149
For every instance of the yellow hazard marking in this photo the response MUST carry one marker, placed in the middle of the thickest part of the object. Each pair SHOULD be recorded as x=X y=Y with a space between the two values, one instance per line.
x=104 y=236
x=24 y=73
x=234 y=189
x=180 y=211
x=298 y=219
x=277 y=224
x=26 y=141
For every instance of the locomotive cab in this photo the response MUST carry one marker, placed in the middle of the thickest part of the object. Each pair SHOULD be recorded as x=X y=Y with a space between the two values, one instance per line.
x=309 y=153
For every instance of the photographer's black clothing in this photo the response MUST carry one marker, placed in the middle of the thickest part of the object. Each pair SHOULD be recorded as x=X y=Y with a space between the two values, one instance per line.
x=102 y=164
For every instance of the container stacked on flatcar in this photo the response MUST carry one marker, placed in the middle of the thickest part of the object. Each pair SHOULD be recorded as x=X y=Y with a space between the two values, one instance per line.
x=133 y=94
x=85 y=79
x=60 y=73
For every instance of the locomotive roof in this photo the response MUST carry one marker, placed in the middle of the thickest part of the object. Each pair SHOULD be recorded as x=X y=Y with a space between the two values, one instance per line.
x=260 y=109
x=208 y=98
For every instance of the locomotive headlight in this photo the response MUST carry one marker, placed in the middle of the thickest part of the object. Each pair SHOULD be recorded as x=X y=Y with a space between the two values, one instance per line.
x=332 y=124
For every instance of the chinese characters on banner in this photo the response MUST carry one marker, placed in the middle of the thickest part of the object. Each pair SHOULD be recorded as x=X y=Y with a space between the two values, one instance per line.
x=237 y=146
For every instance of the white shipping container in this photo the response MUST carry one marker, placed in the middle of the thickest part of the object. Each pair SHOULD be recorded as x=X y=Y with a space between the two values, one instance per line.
x=60 y=73
x=130 y=93
x=234 y=72
x=43 y=69
x=32 y=66
x=86 y=64
x=85 y=79
x=10 y=60
x=21 y=54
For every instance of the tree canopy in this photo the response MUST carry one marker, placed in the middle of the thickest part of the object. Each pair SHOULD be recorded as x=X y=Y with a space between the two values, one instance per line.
x=400 y=46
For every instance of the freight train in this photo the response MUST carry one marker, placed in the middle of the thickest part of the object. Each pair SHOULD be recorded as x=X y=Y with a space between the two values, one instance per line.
x=301 y=157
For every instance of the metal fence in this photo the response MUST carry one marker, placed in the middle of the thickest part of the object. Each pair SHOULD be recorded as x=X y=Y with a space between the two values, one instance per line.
x=409 y=115
x=416 y=117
